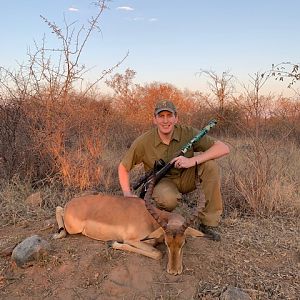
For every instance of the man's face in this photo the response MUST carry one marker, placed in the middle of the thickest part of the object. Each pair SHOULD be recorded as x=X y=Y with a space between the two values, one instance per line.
x=165 y=122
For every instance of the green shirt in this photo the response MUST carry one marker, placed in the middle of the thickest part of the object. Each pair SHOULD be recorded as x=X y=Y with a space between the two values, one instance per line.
x=148 y=148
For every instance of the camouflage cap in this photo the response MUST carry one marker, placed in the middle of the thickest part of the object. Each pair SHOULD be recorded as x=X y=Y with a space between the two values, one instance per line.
x=165 y=105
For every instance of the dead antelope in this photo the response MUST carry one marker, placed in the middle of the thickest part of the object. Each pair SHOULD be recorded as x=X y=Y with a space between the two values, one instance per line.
x=131 y=223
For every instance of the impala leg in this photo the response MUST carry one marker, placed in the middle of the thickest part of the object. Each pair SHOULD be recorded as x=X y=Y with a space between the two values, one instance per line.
x=142 y=245
x=138 y=247
x=60 y=222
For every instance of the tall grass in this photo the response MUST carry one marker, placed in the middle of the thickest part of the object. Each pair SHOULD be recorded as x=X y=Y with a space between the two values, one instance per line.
x=77 y=147
x=262 y=180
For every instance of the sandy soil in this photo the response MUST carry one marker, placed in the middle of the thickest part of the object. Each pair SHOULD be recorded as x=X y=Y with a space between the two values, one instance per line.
x=260 y=257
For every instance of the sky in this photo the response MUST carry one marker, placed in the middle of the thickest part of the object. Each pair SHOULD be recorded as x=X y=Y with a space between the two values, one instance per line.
x=168 y=41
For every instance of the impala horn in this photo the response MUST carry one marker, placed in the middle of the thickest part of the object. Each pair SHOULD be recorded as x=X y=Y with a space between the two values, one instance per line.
x=150 y=207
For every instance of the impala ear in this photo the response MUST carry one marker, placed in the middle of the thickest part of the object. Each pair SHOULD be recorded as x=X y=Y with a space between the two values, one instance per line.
x=193 y=232
x=156 y=234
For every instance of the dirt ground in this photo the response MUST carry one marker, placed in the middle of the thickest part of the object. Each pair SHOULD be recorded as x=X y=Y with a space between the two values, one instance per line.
x=260 y=257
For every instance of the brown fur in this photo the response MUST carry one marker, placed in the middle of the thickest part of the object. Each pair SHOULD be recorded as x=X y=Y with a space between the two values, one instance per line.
x=128 y=223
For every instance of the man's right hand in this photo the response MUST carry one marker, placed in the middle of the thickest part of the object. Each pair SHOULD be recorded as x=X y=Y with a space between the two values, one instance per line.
x=124 y=181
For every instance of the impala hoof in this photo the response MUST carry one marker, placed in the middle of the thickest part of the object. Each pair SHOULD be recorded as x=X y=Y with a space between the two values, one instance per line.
x=59 y=235
x=111 y=243
x=210 y=232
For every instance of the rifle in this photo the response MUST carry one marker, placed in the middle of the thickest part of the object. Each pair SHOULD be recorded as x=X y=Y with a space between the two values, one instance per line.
x=161 y=168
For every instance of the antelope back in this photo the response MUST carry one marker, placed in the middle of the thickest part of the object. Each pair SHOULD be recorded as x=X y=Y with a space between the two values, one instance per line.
x=106 y=217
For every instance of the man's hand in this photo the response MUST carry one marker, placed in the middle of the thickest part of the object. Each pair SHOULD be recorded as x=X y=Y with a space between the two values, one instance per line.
x=217 y=150
x=124 y=181
x=182 y=162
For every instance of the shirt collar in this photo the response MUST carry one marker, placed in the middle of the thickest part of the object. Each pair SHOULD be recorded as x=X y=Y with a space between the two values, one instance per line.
x=175 y=136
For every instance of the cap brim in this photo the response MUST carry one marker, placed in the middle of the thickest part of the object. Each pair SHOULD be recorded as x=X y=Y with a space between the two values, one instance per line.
x=164 y=109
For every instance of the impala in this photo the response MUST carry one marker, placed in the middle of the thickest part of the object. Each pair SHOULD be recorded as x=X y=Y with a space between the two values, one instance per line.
x=132 y=224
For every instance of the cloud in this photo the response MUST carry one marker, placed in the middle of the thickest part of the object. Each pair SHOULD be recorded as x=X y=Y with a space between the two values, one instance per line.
x=127 y=8
x=153 y=20
x=73 y=9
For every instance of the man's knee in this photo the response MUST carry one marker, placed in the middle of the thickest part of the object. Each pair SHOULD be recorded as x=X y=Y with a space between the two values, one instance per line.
x=166 y=195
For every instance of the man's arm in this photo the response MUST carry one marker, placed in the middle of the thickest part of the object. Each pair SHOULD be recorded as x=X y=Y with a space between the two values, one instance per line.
x=124 y=181
x=217 y=150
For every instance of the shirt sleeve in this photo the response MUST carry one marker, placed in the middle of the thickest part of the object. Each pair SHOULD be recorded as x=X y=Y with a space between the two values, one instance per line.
x=133 y=156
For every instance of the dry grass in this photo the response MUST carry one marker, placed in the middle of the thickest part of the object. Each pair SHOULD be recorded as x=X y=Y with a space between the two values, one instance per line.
x=14 y=209
x=279 y=189
x=12 y=205
x=262 y=179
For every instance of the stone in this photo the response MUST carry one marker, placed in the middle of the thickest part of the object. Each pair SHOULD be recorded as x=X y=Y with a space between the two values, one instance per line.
x=233 y=293
x=31 y=249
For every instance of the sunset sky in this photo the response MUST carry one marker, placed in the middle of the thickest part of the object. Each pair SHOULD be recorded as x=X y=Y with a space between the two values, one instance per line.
x=168 y=40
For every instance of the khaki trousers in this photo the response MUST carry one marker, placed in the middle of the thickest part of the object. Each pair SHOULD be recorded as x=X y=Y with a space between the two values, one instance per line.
x=169 y=191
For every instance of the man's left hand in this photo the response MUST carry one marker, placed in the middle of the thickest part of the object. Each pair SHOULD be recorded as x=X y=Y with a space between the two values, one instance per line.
x=182 y=162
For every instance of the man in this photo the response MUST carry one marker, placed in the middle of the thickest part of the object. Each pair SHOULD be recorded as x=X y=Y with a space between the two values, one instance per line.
x=164 y=142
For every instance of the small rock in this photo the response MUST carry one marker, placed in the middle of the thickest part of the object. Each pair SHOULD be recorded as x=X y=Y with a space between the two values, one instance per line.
x=30 y=249
x=233 y=293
